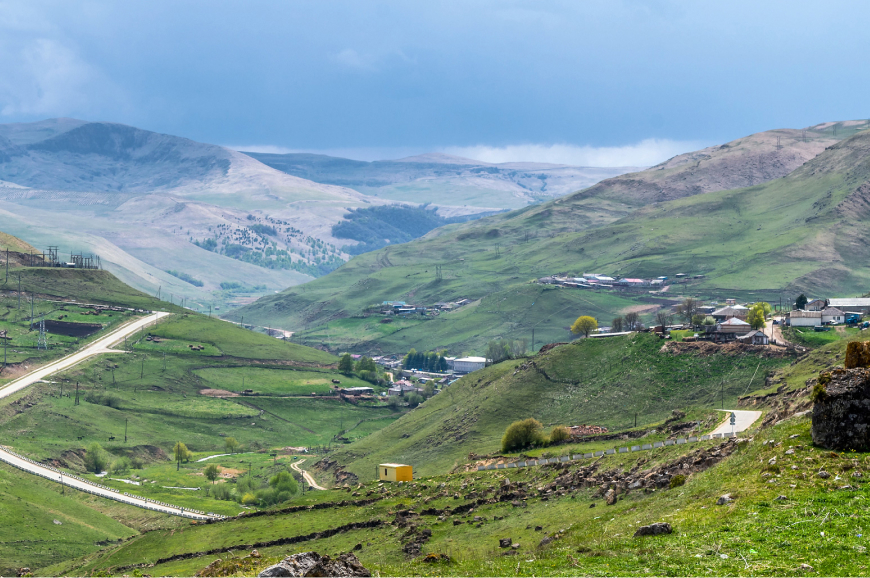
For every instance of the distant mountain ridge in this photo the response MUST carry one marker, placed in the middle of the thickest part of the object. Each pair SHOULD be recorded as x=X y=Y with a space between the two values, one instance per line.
x=444 y=179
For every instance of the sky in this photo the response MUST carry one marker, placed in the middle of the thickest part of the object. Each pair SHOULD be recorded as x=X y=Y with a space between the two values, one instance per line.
x=596 y=83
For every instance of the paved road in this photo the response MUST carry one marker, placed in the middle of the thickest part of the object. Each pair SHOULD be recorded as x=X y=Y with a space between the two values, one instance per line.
x=308 y=477
x=743 y=418
x=98 y=347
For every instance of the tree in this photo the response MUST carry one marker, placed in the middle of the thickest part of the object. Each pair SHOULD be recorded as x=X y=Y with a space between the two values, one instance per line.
x=231 y=444
x=801 y=301
x=765 y=307
x=284 y=482
x=497 y=351
x=664 y=318
x=522 y=434
x=688 y=309
x=212 y=473
x=632 y=321
x=698 y=319
x=96 y=458
x=181 y=453
x=616 y=325
x=366 y=364
x=585 y=325
x=755 y=318
x=345 y=364
x=559 y=434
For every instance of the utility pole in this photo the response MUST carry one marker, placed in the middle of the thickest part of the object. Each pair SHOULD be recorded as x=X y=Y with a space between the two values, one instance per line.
x=31 y=311
x=77 y=394
x=19 y=295
x=142 y=372
x=7 y=265
x=164 y=361
x=125 y=430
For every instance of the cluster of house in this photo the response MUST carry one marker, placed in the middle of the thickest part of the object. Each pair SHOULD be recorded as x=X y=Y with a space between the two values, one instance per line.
x=819 y=312
x=456 y=365
x=402 y=309
x=598 y=281
x=729 y=324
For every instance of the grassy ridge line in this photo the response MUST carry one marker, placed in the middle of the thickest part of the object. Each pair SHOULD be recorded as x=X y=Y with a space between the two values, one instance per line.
x=593 y=381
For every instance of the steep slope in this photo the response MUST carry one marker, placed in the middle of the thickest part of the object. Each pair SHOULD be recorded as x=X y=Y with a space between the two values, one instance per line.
x=800 y=232
x=447 y=181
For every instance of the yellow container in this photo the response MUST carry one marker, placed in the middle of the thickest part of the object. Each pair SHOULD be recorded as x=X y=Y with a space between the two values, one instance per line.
x=395 y=473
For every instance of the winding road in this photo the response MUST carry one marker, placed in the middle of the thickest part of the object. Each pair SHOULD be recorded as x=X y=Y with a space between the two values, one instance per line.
x=308 y=477
x=98 y=347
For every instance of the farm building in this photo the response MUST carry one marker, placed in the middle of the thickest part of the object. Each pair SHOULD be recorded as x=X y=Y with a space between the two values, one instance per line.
x=730 y=312
x=861 y=304
x=395 y=473
x=799 y=318
x=756 y=337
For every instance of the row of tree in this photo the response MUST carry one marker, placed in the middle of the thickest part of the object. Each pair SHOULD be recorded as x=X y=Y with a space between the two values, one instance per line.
x=429 y=361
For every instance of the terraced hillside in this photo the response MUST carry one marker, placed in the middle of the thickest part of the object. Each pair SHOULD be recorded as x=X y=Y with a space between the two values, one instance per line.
x=801 y=232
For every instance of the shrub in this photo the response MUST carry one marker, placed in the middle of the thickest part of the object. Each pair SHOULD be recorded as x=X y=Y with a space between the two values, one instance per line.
x=105 y=399
x=120 y=465
x=559 y=434
x=249 y=499
x=96 y=458
x=222 y=492
x=414 y=399
x=820 y=389
x=677 y=481
x=284 y=482
x=522 y=434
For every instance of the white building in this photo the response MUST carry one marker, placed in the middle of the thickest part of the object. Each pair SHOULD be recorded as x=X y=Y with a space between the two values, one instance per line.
x=468 y=364
x=798 y=318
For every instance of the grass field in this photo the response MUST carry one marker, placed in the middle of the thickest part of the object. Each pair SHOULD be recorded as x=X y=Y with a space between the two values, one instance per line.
x=594 y=381
x=278 y=382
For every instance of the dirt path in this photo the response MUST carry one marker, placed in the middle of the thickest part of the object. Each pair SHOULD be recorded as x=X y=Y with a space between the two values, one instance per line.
x=308 y=477
x=774 y=332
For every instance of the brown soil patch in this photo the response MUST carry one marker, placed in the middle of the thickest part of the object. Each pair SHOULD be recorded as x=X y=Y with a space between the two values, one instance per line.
x=217 y=393
x=704 y=348
x=640 y=309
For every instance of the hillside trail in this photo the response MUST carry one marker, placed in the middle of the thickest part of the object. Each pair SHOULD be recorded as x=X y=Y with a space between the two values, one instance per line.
x=98 y=347
x=308 y=477
x=743 y=420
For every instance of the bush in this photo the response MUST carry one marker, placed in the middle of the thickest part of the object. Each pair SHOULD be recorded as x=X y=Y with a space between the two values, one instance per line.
x=820 y=389
x=105 y=399
x=96 y=458
x=522 y=434
x=120 y=465
x=137 y=463
x=677 y=481
x=249 y=499
x=222 y=492
x=284 y=482
x=559 y=434
x=414 y=399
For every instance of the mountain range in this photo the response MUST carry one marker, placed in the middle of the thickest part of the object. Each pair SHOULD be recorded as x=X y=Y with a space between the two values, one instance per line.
x=180 y=218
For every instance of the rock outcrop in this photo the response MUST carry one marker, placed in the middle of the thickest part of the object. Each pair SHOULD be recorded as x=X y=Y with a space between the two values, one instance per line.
x=841 y=414
x=313 y=564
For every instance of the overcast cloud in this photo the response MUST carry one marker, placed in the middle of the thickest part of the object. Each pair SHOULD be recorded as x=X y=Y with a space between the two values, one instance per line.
x=599 y=82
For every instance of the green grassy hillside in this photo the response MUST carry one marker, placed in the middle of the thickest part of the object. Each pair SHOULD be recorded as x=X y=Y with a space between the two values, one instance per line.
x=560 y=525
x=798 y=233
x=592 y=381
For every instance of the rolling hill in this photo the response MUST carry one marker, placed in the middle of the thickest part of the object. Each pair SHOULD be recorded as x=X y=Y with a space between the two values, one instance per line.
x=754 y=242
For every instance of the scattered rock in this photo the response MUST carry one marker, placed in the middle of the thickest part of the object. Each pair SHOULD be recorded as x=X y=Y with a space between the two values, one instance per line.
x=515 y=546
x=505 y=543
x=538 y=528
x=824 y=475
x=805 y=568
x=255 y=554
x=592 y=505
x=433 y=558
x=779 y=498
x=771 y=461
x=654 y=529
x=545 y=541
x=789 y=451
x=610 y=497
x=313 y=564
x=724 y=499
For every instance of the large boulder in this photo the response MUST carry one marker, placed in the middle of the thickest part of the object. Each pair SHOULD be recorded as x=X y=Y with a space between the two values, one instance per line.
x=313 y=564
x=841 y=412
